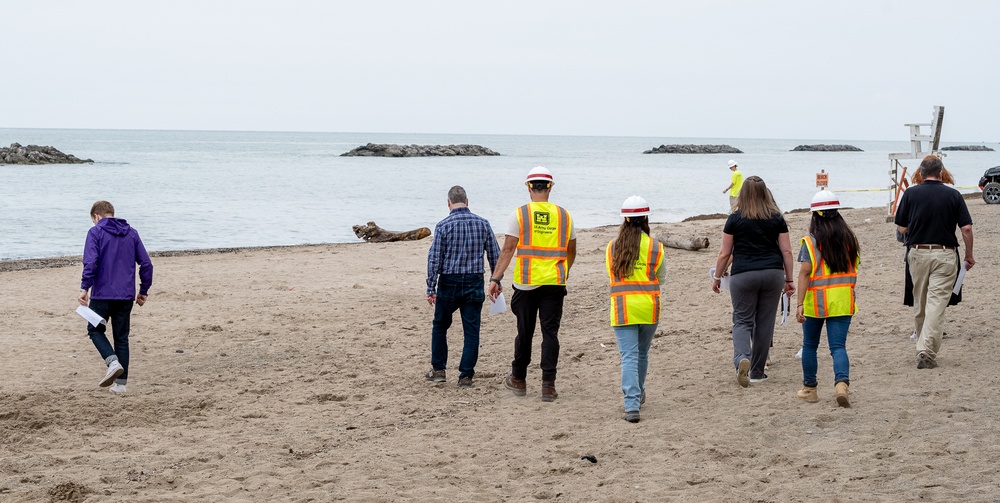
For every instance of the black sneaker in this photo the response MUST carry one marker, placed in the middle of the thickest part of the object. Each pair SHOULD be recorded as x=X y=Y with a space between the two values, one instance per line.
x=632 y=416
x=762 y=378
x=925 y=362
x=436 y=376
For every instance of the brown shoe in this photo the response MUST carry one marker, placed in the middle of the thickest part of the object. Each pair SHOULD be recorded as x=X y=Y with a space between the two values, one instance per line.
x=516 y=385
x=436 y=376
x=549 y=391
x=842 y=394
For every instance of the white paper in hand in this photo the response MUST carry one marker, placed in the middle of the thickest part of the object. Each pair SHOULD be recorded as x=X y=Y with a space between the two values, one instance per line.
x=89 y=315
x=961 y=277
x=785 y=307
x=499 y=305
x=724 y=284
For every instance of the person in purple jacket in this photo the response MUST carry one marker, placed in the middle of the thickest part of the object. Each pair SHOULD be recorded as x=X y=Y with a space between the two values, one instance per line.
x=113 y=249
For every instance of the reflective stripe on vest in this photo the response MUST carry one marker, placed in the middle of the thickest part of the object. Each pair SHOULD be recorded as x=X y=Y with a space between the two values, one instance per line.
x=542 y=244
x=636 y=300
x=828 y=294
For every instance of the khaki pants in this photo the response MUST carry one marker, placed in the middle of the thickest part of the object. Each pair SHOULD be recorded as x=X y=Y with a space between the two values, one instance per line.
x=732 y=203
x=934 y=273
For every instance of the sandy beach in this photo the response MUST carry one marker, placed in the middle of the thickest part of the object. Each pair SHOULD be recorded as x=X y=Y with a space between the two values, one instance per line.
x=296 y=374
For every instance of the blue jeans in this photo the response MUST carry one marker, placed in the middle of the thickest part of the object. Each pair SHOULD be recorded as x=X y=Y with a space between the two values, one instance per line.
x=120 y=312
x=633 y=344
x=836 y=335
x=466 y=294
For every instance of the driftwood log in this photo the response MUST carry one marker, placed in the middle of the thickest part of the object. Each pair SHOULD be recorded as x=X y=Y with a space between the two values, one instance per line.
x=691 y=244
x=374 y=234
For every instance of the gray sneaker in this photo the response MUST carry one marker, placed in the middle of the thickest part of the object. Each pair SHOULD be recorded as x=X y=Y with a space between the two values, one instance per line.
x=436 y=376
x=632 y=416
x=115 y=369
x=465 y=382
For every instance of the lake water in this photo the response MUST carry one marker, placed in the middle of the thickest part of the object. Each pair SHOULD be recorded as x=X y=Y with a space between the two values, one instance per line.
x=207 y=189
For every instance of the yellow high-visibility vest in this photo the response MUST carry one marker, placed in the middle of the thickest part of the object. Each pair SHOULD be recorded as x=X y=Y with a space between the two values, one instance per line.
x=542 y=244
x=828 y=294
x=635 y=300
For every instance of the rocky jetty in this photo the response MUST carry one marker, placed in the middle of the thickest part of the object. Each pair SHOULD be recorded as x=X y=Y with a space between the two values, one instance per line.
x=694 y=149
x=971 y=148
x=826 y=148
x=34 y=154
x=391 y=150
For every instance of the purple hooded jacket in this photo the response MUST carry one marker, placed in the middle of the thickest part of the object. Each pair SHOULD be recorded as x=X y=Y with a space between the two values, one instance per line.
x=113 y=249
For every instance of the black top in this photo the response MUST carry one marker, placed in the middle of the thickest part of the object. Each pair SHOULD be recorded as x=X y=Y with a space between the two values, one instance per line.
x=755 y=242
x=930 y=212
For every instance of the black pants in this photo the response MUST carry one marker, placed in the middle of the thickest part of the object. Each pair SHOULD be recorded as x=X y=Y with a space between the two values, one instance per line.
x=546 y=304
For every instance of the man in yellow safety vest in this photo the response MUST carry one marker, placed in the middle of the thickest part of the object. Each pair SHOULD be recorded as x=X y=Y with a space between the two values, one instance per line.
x=542 y=235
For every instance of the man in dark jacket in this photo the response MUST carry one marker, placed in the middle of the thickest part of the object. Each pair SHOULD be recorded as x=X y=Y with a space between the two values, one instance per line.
x=110 y=255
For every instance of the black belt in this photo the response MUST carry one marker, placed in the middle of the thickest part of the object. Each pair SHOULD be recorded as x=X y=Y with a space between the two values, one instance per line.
x=933 y=247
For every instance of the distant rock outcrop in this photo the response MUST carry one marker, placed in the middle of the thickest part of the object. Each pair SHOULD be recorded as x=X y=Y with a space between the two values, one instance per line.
x=694 y=149
x=34 y=154
x=391 y=150
x=826 y=148
x=972 y=148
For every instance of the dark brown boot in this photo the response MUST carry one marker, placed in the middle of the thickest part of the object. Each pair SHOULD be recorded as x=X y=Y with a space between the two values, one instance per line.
x=514 y=384
x=549 y=392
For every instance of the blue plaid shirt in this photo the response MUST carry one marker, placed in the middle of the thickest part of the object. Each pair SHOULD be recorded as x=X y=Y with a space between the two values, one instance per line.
x=459 y=242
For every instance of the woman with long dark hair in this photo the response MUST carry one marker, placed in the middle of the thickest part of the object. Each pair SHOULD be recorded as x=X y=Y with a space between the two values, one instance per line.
x=634 y=263
x=830 y=255
x=755 y=237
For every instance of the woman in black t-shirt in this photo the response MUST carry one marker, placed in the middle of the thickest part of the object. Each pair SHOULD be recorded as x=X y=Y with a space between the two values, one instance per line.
x=755 y=240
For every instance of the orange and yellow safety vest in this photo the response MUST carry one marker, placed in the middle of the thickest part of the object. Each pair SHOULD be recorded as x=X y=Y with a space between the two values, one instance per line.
x=635 y=300
x=828 y=294
x=541 y=247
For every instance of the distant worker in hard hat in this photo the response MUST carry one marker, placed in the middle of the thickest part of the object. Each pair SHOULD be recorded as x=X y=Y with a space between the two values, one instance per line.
x=736 y=183
x=542 y=235
x=634 y=262
x=829 y=257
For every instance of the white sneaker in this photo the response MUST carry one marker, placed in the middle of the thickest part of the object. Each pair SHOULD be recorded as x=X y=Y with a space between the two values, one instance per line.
x=114 y=370
x=118 y=389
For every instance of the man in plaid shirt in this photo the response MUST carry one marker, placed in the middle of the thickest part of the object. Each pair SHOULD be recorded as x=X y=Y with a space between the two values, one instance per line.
x=455 y=282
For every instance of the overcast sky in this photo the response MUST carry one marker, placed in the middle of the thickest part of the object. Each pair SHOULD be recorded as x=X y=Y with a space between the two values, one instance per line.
x=730 y=69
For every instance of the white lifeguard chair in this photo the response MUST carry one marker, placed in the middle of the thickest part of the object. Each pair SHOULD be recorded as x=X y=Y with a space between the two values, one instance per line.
x=933 y=140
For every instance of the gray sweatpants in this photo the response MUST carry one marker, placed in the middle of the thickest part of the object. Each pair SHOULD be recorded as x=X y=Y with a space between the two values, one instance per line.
x=756 y=295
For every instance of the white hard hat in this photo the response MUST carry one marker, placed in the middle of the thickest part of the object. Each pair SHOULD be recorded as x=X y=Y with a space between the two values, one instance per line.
x=635 y=206
x=539 y=174
x=825 y=200
x=732 y=163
